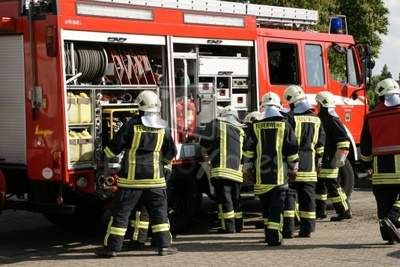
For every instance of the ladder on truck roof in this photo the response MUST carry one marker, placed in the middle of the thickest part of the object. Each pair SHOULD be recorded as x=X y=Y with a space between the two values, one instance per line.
x=264 y=14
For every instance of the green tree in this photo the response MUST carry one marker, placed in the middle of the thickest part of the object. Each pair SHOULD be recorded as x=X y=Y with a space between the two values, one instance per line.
x=385 y=73
x=371 y=95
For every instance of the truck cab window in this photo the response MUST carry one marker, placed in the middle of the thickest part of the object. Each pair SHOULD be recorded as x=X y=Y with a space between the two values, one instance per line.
x=352 y=69
x=314 y=64
x=342 y=66
x=337 y=65
x=283 y=63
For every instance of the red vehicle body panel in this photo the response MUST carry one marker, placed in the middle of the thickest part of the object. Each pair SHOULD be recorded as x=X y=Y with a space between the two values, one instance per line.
x=355 y=112
x=46 y=137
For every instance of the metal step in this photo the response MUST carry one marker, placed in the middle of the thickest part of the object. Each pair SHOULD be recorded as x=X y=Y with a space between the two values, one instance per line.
x=264 y=14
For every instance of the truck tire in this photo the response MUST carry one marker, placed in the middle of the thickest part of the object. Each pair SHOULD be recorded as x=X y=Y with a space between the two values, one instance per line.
x=346 y=178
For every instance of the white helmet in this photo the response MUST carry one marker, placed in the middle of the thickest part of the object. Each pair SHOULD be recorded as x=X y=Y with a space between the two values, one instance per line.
x=387 y=87
x=271 y=103
x=227 y=111
x=229 y=114
x=326 y=99
x=271 y=99
x=294 y=93
x=252 y=116
x=148 y=101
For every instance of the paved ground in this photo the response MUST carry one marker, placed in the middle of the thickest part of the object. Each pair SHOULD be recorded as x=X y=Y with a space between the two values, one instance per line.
x=27 y=239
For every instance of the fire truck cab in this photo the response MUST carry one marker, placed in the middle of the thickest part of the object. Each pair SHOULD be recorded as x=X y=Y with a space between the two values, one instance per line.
x=71 y=70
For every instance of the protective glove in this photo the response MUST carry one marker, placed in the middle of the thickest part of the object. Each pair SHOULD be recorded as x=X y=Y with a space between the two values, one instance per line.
x=340 y=157
x=167 y=172
x=319 y=162
x=247 y=166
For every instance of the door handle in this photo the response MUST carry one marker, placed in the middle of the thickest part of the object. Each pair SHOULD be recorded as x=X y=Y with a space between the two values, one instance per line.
x=199 y=104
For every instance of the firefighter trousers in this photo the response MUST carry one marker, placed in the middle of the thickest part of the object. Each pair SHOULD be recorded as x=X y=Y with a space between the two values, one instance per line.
x=139 y=223
x=329 y=189
x=272 y=204
x=229 y=208
x=388 y=204
x=305 y=192
x=289 y=211
x=126 y=199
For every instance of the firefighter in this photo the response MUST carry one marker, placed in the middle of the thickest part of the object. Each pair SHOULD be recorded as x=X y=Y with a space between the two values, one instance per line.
x=336 y=149
x=223 y=139
x=148 y=147
x=311 y=138
x=289 y=207
x=380 y=150
x=272 y=147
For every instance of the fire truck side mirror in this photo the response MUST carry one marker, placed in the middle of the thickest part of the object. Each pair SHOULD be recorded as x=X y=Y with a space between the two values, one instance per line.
x=340 y=49
x=367 y=63
x=371 y=64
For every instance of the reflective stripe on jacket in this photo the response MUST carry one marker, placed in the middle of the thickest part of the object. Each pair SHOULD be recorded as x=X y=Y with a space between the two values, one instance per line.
x=146 y=149
x=272 y=145
x=224 y=143
x=310 y=136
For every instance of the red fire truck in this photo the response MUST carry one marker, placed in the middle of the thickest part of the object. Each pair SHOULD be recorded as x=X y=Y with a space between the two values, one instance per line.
x=71 y=69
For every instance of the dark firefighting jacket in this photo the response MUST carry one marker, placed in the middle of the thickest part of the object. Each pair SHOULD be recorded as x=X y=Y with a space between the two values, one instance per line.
x=146 y=149
x=224 y=143
x=336 y=138
x=310 y=137
x=380 y=144
x=271 y=146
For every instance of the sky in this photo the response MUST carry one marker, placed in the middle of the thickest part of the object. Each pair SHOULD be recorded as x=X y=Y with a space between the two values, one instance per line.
x=391 y=42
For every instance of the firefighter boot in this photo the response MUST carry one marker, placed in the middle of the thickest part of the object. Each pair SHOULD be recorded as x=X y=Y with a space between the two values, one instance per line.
x=320 y=209
x=305 y=234
x=238 y=225
x=105 y=253
x=167 y=251
x=287 y=235
x=224 y=231
x=135 y=246
x=341 y=217
x=391 y=228
x=153 y=243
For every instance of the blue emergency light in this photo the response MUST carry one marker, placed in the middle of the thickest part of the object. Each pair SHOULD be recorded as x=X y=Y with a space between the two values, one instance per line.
x=338 y=25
